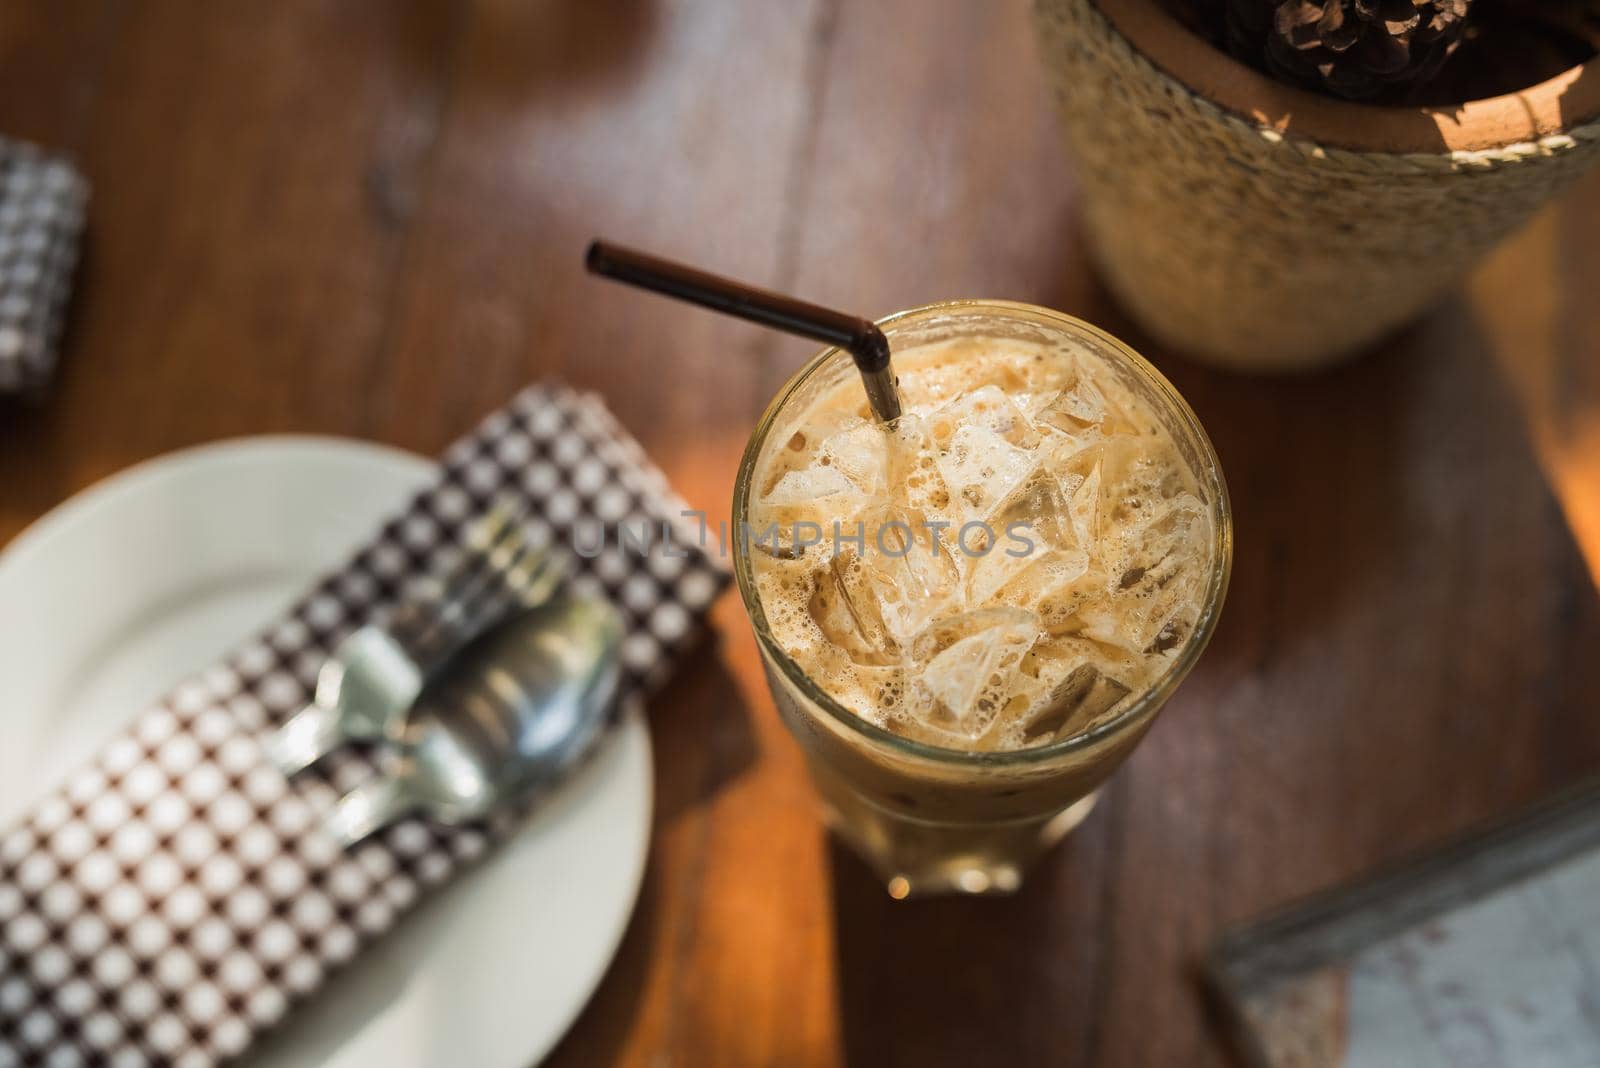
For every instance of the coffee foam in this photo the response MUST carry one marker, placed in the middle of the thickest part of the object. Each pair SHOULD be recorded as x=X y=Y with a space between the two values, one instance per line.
x=990 y=651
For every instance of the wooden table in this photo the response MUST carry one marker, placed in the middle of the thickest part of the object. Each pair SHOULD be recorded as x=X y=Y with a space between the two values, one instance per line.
x=367 y=219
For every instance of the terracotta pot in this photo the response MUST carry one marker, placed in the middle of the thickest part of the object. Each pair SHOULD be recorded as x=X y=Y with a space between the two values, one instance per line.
x=1262 y=227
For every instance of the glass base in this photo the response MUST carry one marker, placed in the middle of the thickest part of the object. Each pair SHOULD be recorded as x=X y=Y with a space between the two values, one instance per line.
x=920 y=858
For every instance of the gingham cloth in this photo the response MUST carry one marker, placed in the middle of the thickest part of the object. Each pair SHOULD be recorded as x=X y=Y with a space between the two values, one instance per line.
x=41 y=217
x=177 y=896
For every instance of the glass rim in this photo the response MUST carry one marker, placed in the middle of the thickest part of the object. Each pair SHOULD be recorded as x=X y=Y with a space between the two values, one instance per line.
x=1148 y=701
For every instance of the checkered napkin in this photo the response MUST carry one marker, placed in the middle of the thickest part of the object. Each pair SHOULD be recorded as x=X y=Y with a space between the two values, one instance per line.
x=42 y=200
x=177 y=896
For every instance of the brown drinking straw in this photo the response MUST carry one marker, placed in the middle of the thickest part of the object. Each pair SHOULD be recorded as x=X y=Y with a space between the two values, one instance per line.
x=859 y=337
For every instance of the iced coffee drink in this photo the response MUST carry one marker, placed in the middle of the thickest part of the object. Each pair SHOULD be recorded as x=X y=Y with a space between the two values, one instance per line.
x=969 y=617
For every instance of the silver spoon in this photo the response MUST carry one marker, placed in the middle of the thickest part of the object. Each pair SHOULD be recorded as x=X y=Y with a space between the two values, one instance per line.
x=369 y=683
x=517 y=709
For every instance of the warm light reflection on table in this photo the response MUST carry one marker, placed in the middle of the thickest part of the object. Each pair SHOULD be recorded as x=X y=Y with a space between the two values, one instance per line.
x=1554 y=376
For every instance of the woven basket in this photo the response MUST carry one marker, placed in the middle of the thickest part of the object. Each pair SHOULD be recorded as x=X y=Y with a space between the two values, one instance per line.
x=1265 y=228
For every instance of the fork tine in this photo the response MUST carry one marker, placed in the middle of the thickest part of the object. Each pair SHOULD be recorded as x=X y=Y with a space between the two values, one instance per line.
x=536 y=584
x=499 y=569
x=484 y=539
x=528 y=581
x=480 y=541
x=413 y=619
x=478 y=601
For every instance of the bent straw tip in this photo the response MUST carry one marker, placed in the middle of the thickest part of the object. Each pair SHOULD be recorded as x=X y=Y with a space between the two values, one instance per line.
x=869 y=348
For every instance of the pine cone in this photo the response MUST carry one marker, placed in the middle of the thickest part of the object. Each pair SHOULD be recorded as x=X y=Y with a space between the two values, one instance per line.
x=1359 y=49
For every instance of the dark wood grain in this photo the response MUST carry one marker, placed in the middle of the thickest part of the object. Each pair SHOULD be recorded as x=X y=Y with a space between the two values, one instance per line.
x=368 y=220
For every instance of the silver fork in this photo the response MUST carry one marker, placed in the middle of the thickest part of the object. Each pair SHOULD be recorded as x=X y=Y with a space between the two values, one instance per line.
x=374 y=676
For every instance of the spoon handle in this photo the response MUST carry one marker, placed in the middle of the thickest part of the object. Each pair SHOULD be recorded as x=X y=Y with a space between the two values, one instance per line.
x=369 y=808
x=315 y=731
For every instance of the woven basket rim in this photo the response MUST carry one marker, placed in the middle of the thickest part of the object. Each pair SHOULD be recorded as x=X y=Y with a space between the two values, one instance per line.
x=1552 y=109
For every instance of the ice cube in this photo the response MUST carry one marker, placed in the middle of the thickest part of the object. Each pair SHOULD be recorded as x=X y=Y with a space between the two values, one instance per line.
x=1084 y=508
x=1073 y=410
x=981 y=469
x=1083 y=411
x=965 y=670
x=858 y=451
x=838 y=453
x=846 y=608
x=1110 y=481
x=813 y=484
x=1039 y=508
x=914 y=578
x=1060 y=604
x=784 y=592
x=1027 y=581
x=913 y=471
x=990 y=408
x=819 y=495
x=1137 y=480
x=1084 y=695
x=1036 y=546
x=1155 y=568
x=930 y=386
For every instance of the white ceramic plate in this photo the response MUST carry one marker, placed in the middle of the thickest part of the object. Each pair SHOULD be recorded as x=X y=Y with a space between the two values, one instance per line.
x=156 y=572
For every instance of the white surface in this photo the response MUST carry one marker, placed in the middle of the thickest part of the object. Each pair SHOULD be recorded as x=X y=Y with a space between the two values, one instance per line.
x=158 y=571
x=1513 y=980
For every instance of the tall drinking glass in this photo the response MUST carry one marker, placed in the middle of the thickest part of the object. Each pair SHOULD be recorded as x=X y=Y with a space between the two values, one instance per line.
x=931 y=818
